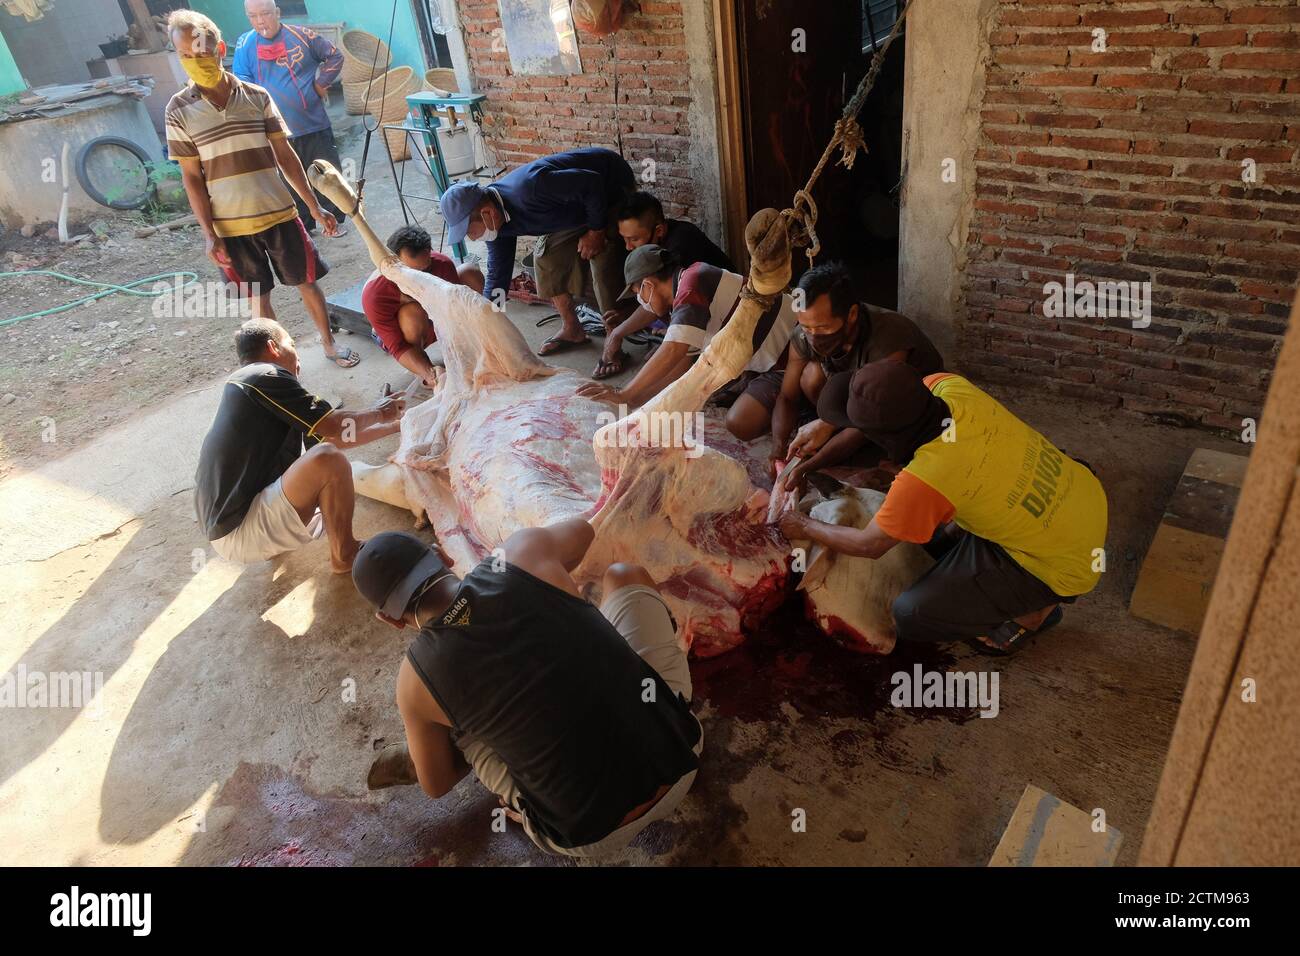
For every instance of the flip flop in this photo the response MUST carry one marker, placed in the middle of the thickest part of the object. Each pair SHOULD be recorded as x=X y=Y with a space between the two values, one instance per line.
x=607 y=369
x=554 y=345
x=344 y=357
x=1010 y=637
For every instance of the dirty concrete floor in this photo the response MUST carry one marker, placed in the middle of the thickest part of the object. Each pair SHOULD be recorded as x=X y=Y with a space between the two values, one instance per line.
x=240 y=707
x=223 y=733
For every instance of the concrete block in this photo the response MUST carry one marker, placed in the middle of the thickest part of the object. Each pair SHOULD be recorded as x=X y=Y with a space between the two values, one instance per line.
x=1046 y=831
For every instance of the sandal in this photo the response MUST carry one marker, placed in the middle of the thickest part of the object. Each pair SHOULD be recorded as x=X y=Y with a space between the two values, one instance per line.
x=1010 y=637
x=554 y=345
x=613 y=367
x=344 y=357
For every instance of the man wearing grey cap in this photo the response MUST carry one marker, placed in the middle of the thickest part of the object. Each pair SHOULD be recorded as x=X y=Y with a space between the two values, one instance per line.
x=1016 y=526
x=698 y=301
x=571 y=201
x=577 y=718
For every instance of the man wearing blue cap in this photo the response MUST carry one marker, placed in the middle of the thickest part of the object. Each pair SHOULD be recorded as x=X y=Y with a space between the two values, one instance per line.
x=569 y=200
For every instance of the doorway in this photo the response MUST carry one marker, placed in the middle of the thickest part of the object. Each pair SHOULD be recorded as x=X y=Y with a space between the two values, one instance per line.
x=795 y=66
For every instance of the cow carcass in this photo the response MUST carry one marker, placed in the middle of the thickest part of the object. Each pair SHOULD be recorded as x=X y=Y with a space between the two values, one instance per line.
x=850 y=598
x=506 y=443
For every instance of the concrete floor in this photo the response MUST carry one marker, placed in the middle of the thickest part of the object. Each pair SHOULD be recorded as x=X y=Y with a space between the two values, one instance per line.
x=223 y=733
x=222 y=736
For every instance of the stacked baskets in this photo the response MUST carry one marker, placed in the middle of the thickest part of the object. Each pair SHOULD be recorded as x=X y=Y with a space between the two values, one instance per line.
x=387 y=104
x=364 y=56
x=369 y=86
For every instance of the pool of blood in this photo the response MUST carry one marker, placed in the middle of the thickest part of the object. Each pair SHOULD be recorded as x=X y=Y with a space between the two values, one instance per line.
x=787 y=659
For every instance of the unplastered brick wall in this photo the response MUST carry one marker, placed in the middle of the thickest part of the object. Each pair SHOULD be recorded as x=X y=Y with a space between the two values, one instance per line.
x=1169 y=158
x=645 y=61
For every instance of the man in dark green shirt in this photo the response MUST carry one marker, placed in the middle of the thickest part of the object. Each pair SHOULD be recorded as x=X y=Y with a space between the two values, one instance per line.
x=837 y=332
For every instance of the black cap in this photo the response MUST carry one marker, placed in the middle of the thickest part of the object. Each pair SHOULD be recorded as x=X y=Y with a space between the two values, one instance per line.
x=833 y=402
x=643 y=262
x=390 y=568
x=881 y=396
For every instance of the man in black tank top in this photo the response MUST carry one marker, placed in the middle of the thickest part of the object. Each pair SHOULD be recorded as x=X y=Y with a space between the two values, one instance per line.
x=577 y=718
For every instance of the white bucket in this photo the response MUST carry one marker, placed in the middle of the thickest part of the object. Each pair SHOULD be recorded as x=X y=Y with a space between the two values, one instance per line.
x=457 y=149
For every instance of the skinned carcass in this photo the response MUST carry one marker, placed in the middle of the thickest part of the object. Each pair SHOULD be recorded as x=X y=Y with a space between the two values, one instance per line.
x=506 y=443
x=850 y=598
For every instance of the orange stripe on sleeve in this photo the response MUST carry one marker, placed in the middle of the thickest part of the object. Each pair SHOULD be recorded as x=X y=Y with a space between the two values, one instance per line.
x=913 y=510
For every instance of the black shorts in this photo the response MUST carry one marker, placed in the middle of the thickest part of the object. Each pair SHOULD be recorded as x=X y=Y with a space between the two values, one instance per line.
x=765 y=387
x=312 y=146
x=974 y=586
x=283 y=252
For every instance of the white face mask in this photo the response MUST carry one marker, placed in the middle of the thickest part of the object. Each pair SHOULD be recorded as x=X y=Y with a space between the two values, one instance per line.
x=489 y=235
x=643 y=302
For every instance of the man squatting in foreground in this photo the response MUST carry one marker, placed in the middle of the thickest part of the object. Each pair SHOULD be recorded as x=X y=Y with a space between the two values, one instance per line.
x=578 y=719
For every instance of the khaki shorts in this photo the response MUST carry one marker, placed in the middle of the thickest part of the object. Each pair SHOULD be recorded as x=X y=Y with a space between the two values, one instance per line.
x=271 y=527
x=560 y=269
x=640 y=615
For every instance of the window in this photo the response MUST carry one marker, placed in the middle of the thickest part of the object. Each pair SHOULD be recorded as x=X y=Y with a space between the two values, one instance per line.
x=878 y=18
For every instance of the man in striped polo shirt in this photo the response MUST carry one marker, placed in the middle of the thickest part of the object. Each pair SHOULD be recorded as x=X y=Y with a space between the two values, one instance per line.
x=232 y=147
x=696 y=300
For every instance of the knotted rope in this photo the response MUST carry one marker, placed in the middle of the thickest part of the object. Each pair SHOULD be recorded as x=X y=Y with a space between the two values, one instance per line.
x=801 y=217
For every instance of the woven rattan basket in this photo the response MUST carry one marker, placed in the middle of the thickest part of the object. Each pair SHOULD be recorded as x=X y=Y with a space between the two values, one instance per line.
x=364 y=54
x=387 y=103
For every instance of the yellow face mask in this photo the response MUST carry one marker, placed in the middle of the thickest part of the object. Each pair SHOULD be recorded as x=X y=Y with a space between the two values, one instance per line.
x=205 y=71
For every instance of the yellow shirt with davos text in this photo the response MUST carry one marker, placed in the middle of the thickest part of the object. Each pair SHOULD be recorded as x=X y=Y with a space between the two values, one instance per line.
x=1010 y=485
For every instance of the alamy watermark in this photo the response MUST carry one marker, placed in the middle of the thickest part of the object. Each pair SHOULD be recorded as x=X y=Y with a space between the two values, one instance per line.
x=201 y=300
x=75 y=690
x=1098 y=300
x=653 y=429
x=948 y=689
x=74 y=908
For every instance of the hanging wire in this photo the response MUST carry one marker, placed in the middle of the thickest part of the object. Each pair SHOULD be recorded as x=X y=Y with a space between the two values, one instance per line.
x=383 y=95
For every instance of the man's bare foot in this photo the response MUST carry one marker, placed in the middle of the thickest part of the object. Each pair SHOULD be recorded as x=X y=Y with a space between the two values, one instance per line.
x=560 y=342
x=344 y=566
x=392 y=768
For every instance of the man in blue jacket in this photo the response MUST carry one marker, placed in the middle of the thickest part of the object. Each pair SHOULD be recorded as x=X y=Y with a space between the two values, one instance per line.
x=569 y=200
x=296 y=66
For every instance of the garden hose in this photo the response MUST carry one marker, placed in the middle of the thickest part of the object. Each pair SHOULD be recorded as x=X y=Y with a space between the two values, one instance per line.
x=108 y=288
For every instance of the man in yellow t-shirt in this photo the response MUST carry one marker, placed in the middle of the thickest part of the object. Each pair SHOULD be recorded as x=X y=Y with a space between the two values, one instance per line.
x=1016 y=526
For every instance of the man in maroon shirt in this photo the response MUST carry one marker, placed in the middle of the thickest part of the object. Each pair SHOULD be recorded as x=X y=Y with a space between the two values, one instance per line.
x=403 y=327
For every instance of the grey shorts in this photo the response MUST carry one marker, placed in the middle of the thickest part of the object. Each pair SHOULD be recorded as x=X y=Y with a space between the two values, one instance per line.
x=640 y=615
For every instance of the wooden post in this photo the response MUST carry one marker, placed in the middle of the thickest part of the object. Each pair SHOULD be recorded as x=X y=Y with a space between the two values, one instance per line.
x=1230 y=791
x=735 y=199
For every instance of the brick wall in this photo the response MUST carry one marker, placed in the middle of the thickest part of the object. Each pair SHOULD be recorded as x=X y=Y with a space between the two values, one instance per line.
x=1127 y=165
x=531 y=116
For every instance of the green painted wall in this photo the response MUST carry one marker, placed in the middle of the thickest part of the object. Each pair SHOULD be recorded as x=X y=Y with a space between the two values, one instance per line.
x=371 y=16
x=228 y=15
x=11 y=80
